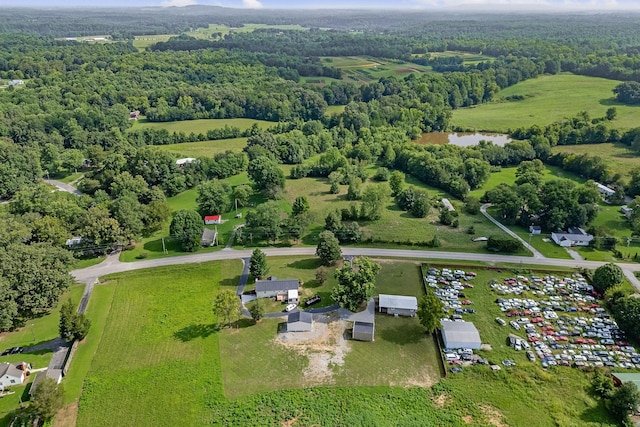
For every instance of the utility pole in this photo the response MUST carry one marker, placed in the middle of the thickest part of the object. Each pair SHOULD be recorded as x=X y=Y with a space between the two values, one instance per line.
x=164 y=249
x=236 y=201
x=33 y=334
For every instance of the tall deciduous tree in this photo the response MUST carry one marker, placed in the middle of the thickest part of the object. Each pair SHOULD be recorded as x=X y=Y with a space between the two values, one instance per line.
x=186 y=227
x=226 y=305
x=266 y=176
x=258 y=267
x=214 y=197
x=607 y=276
x=265 y=221
x=355 y=284
x=624 y=401
x=430 y=311
x=73 y=325
x=328 y=249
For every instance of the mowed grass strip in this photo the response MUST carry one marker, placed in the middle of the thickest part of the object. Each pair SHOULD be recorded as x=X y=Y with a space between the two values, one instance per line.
x=548 y=98
x=201 y=125
x=157 y=363
x=205 y=148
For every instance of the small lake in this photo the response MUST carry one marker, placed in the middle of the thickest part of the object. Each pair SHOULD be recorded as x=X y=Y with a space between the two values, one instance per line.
x=462 y=139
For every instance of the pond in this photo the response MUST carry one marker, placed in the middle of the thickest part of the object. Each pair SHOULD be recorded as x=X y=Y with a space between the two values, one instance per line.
x=462 y=139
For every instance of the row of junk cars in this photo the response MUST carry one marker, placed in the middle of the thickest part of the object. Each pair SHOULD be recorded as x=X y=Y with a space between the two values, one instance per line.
x=560 y=322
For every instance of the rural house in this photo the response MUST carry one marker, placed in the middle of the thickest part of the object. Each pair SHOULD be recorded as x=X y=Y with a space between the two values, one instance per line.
x=16 y=82
x=575 y=236
x=185 y=161
x=300 y=321
x=13 y=374
x=398 y=305
x=605 y=191
x=283 y=289
x=213 y=219
x=626 y=210
x=460 y=335
x=209 y=237
x=364 y=324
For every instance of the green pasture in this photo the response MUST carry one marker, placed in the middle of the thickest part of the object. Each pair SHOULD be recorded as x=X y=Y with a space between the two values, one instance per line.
x=205 y=148
x=158 y=361
x=201 y=125
x=619 y=157
x=143 y=42
x=467 y=57
x=548 y=98
x=207 y=33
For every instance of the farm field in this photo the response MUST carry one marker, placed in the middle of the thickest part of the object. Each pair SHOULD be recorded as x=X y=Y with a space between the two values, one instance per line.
x=619 y=157
x=365 y=70
x=548 y=98
x=206 y=33
x=174 y=366
x=205 y=148
x=201 y=125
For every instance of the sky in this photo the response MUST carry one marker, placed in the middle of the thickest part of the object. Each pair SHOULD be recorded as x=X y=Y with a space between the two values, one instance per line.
x=464 y=5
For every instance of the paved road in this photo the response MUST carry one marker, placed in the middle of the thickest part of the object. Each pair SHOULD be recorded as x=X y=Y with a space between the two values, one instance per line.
x=64 y=187
x=113 y=265
x=534 y=251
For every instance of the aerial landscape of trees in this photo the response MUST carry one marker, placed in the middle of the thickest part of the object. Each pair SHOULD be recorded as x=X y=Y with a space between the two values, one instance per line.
x=310 y=125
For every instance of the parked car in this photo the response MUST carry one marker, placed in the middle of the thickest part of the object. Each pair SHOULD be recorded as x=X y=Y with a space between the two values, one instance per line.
x=313 y=300
x=456 y=369
x=500 y=321
x=290 y=307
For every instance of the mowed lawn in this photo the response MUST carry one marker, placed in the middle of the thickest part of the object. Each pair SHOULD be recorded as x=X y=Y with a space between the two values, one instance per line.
x=205 y=148
x=619 y=157
x=157 y=363
x=201 y=125
x=548 y=98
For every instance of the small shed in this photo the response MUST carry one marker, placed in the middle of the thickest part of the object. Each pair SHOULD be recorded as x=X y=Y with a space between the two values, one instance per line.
x=213 y=219
x=364 y=323
x=300 y=321
x=535 y=229
x=209 y=237
x=398 y=305
x=16 y=82
x=460 y=335
x=134 y=115
x=447 y=205
x=626 y=210
x=620 y=378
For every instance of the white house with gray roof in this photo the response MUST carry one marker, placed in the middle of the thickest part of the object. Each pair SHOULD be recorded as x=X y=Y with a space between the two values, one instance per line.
x=12 y=374
x=281 y=289
x=574 y=236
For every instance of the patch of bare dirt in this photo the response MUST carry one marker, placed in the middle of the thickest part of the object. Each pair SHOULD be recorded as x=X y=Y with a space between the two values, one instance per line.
x=289 y=423
x=66 y=417
x=325 y=347
x=441 y=401
x=493 y=416
x=468 y=419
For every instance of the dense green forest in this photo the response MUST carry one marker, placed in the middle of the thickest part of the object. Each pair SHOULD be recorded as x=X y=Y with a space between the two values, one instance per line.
x=71 y=111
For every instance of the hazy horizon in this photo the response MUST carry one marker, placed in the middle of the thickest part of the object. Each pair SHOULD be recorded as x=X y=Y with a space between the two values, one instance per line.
x=454 y=5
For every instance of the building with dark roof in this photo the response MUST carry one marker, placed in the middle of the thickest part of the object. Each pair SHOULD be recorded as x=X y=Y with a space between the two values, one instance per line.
x=300 y=321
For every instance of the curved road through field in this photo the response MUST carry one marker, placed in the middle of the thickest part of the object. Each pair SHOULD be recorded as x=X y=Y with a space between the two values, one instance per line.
x=112 y=264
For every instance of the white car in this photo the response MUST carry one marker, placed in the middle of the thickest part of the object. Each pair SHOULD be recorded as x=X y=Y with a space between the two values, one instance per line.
x=290 y=307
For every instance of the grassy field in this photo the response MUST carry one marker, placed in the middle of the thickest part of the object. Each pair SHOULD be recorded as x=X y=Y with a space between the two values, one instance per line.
x=547 y=99
x=207 y=33
x=201 y=125
x=143 y=42
x=467 y=58
x=618 y=157
x=161 y=361
x=205 y=148
x=157 y=363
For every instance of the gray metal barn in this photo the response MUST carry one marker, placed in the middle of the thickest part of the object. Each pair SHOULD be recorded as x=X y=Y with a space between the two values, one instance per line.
x=300 y=321
x=398 y=305
x=460 y=335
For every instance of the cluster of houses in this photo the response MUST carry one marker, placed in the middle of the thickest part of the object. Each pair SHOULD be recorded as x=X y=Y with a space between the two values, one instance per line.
x=288 y=291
